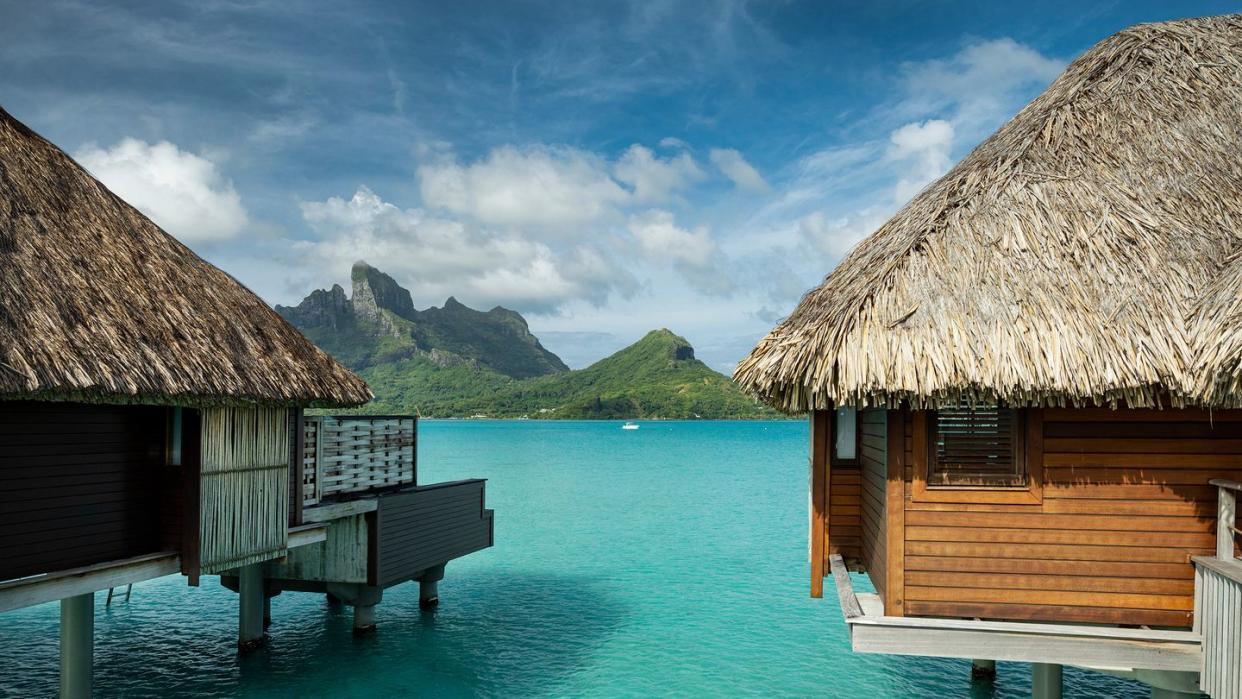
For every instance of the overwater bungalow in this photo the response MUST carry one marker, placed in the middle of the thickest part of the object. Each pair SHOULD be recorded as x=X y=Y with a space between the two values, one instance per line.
x=1024 y=388
x=152 y=423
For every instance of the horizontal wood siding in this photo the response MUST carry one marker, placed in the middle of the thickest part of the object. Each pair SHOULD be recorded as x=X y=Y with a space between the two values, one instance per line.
x=845 y=512
x=873 y=460
x=1126 y=504
x=79 y=484
x=423 y=527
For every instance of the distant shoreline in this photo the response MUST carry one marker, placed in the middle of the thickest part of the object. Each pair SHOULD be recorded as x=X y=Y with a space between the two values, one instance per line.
x=611 y=419
x=357 y=413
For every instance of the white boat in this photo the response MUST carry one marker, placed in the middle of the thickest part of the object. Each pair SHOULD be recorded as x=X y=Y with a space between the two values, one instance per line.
x=629 y=426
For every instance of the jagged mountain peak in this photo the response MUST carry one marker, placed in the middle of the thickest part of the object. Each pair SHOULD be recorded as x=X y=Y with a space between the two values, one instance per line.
x=374 y=290
x=379 y=324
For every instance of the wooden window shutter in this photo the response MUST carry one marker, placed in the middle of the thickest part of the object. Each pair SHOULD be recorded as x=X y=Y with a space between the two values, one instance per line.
x=976 y=446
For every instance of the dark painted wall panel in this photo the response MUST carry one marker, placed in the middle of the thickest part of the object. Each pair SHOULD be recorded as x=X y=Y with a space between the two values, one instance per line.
x=79 y=484
x=423 y=527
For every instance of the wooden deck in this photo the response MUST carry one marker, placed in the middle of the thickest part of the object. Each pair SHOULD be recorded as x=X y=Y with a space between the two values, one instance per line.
x=359 y=481
x=1218 y=602
x=1062 y=644
x=1119 y=502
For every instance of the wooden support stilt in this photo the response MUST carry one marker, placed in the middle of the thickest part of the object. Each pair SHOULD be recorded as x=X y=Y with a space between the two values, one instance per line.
x=1045 y=681
x=428 y=594
x=77 y=646
x=982 y=669
x=364 y=619
x=250 y=600
x=429 y=587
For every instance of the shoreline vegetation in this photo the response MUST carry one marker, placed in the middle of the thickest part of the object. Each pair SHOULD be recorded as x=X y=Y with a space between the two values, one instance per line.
x=457 y=362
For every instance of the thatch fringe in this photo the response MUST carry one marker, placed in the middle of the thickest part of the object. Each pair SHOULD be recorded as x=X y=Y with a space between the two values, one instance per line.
x=98 y=303
x=244 y=512
x=1086 y=253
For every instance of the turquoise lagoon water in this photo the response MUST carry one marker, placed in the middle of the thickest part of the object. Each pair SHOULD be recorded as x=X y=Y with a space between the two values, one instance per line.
x=664 y=561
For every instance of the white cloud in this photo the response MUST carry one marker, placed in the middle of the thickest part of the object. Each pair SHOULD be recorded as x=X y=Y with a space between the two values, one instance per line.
x=734 y=166
x=927 y=144
x=661 y=238
x=182 y=192
x=437 y=257
x=546 y=189
x=283 y=128
x=654 y=179
x=673 y=142
x=837 y=237
x=693 y=253
x=978 y=86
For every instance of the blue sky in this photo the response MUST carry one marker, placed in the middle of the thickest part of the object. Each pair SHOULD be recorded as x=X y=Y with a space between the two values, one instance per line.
x=604 y=168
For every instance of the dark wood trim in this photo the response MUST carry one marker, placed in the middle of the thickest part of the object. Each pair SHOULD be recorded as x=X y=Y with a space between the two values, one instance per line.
x=191 y=482
x=415 y=433
x=373 y=559
x=821 y=444
x=895 y=515
x=1034 y=445
x=298 y=467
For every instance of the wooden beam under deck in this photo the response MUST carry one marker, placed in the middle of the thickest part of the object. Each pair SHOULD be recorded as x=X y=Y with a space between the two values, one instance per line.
x=307 y=534
x=27 y=592
x=1065 y=644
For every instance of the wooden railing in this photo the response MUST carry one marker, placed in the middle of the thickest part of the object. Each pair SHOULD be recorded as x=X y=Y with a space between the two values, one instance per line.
x=349 y=454
x=1218 y=602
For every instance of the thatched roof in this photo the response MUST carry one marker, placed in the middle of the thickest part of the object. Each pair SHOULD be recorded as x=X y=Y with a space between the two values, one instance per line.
x=98 y=304
x=1088 y=251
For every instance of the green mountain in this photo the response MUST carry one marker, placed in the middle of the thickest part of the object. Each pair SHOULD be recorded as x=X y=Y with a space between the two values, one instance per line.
x=657 y=376
x=458 y=362
x=379 y=326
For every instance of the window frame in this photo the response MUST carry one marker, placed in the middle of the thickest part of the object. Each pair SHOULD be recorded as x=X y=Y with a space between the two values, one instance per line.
x=832 y=443
x=1031 y=438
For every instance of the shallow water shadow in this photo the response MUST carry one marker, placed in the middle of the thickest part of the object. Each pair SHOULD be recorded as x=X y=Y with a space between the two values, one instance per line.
x=517 y=634
x=493 y=634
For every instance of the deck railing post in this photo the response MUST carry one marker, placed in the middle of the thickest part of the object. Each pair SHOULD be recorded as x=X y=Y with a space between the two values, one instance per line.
x=1226 y=520
x=320 y=424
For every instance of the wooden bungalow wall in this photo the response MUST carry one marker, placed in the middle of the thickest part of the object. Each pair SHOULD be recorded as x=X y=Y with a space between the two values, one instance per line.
x=1125 y=505
x=845 y=513
x=422 y=527
x=79 y=484
x=873 y=462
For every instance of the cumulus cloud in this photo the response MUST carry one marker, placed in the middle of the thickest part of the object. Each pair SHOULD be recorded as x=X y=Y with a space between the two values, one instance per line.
x=436 y=256
x=731 y=163
x=980 y=84
x=655 y=179
x=836 y=237
x=182 y=192
x=543 y=188
x=661 y=238
x=925 y=145
x=693 y=253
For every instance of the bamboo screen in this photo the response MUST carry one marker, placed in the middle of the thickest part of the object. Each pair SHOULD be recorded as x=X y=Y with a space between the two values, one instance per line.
x=244 y=511
x=348 y=454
